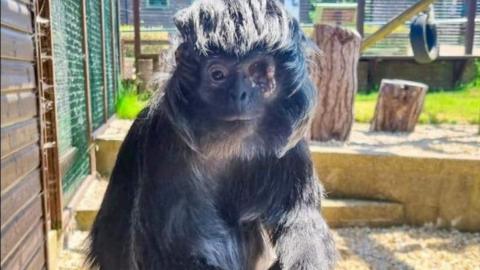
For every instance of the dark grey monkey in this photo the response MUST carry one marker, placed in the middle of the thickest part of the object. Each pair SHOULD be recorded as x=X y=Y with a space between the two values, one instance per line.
x=215 y=173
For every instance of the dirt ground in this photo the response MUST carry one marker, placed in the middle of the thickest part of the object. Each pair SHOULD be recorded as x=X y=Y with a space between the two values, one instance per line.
x=439 y=141
x=365 y=248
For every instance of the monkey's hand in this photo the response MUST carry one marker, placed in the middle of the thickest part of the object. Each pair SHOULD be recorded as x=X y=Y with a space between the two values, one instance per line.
x=305 y=242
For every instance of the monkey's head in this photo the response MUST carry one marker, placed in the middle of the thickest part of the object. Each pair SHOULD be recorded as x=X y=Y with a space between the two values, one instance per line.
x=240 y=86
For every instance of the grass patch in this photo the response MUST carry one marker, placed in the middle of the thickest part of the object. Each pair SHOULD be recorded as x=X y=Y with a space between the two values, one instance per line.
x=461 y=106
x=130 y=103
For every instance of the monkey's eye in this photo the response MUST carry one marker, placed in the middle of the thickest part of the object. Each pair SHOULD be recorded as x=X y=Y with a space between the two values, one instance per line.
x=218 y=73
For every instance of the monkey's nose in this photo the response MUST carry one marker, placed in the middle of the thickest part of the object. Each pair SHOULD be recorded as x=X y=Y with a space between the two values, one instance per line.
x=239 y=98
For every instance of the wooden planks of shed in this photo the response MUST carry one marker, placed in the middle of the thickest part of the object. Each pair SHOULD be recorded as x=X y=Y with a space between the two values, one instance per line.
x=22 y=221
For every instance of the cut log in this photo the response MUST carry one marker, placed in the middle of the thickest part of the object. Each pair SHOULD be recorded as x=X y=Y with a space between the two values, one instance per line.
x=334 y=73
x=399 y=105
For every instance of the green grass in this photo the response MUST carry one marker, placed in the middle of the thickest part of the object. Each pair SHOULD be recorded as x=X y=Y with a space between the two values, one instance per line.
x=130 y=102
x=461 y=106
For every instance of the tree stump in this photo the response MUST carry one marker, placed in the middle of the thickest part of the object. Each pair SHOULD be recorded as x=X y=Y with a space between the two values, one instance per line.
x=334 y=73
x=399 y=105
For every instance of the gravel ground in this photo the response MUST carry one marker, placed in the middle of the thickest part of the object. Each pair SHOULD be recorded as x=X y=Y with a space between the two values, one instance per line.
x=365 y=248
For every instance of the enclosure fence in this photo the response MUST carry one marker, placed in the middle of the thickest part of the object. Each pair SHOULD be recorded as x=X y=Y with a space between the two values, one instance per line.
x=85 y=90
x=450 y=18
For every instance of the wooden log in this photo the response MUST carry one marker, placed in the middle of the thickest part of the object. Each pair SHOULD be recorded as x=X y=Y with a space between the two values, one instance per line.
x=334 y=73
x=399 y=105
x=145 y=72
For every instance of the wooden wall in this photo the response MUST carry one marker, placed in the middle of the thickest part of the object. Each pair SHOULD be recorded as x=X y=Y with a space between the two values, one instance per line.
x=22 y=219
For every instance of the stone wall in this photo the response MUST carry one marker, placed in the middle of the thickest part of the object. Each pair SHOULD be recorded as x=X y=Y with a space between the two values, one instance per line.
x=444 y=192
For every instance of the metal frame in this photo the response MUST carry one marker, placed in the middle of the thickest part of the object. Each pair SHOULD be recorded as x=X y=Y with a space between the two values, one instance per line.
x=136 y=28
x=360 y=17
x=470 y=31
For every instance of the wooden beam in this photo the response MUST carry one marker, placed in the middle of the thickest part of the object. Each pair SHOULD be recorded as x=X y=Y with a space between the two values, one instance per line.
x=470 y=31
x=113 y=39
x=104 y=66
x=50 y=162
x=119 y=49
x=136 y=28
x=360 y=16
x=395 y=23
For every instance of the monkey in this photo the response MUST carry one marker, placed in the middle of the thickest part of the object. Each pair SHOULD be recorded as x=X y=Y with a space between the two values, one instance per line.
x=215 y=173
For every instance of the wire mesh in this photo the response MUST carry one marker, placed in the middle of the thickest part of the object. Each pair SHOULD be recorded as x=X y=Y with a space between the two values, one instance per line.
x=95 y=62
x=70 y=81
x=70 y=89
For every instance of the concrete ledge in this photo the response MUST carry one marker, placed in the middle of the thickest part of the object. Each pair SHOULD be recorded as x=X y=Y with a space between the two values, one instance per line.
x=88 y=207
x=108 y=141
x=85 y=218
x=442 y=191
x=53 y=248
x=106 y=154
x=350 y=212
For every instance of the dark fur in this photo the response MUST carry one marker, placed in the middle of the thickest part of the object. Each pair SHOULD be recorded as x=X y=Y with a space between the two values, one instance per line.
x=189 y=192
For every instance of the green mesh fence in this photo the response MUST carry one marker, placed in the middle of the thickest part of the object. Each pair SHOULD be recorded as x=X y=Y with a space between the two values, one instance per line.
x=107 y=26
x=71 y=84
x=70 y=93
x=95 y=63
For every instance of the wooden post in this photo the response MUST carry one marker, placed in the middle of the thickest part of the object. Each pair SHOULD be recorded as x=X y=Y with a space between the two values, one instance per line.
x=399 y=105
x=104 y=66
x=50 y=162
x=360 y=16
x=395 y=22
x=114 y=78
x=334 y=72
x=136 y=35
x=470 y=31
x=122 y=60
x=86 y=72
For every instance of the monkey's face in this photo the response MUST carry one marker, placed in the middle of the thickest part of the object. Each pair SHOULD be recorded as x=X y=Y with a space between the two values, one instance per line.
x=240 y=84
x=241 y=105
x=237 y=90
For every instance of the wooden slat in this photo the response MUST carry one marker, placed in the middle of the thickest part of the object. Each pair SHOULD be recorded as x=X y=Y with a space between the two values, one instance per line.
x=18 y=136
x=19 y=165
x=18 y=106
x=28 y=249
x=19 y=227
x=16 y=15
x=14 y=199
x=38 y=261
x=17 y=75
x=16 y=45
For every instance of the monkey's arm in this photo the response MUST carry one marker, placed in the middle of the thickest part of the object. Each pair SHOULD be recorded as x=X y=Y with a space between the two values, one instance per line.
x=302 y=238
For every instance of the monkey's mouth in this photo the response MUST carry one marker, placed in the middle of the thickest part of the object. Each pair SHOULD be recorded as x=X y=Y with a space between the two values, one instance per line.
x=238 y=118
